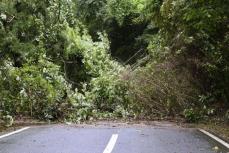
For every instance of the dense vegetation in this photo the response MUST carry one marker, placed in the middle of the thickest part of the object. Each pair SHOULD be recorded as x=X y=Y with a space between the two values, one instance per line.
x=91 y=59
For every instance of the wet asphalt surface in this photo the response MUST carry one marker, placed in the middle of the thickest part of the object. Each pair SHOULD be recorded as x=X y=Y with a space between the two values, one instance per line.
x=87 y=139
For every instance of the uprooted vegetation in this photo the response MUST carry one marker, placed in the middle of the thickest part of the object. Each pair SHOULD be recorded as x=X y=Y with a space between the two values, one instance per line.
x=94 y=59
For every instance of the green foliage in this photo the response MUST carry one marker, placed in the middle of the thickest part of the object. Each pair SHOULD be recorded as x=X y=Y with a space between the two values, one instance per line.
x=191 y=115
x=120 y=19
x=94 y=55
x=43 y=47
x=35 y=90
x=193 y=35
x=56 y=58
x=95 y=13
x=8 y=120
x=108 y=92
x=20 y=32
x=120 y=9
x=91 y=12
x=104 y=91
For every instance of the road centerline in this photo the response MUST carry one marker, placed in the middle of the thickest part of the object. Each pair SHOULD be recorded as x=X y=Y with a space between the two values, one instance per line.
x=14 y=132
x=111 y=144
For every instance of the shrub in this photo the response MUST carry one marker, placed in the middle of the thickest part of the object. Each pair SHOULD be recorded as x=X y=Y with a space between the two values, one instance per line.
x=192 y=115
x=104 y=91
x=161 y=91
x=35 y=90
x=108 y=92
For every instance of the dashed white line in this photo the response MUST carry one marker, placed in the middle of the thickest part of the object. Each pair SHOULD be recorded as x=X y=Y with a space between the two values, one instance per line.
x=111 y=144
x=15 y=132
x=215 y=138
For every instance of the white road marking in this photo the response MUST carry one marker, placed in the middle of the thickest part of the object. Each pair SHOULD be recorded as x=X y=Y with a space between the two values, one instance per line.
x=15 y=132
x=215 y=138
x=111 y=144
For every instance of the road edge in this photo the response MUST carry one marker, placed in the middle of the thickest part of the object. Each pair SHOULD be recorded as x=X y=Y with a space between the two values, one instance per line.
x=222 y=142
x=14 y=132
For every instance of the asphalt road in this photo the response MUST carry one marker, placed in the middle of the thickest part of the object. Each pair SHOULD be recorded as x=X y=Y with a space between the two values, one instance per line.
x=89 y=139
